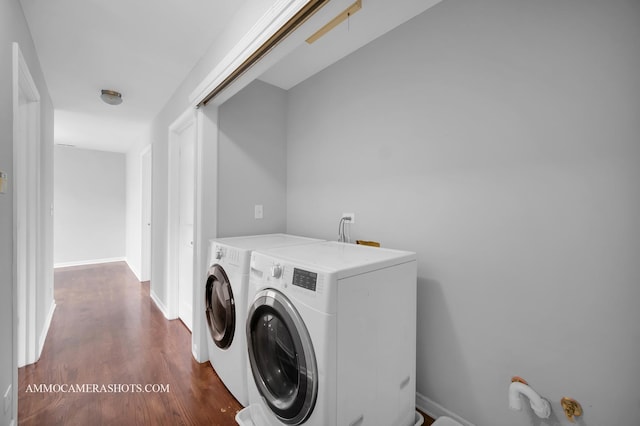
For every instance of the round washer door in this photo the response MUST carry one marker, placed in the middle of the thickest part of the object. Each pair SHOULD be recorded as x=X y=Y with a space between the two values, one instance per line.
x=220 y=307
x=282 y=358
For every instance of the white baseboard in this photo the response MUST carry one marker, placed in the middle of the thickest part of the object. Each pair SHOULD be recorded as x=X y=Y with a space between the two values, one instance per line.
x=188 y=309
x=435 y=410
x=45 y=329
x=199 y=353
x=89 y=262
x=134 y=270
x=159 y=304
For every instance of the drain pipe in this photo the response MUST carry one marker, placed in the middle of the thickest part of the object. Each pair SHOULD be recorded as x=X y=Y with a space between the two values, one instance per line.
x=539 y=405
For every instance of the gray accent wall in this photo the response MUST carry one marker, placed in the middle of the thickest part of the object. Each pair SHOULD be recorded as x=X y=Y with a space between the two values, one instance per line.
x=499 y=140
x=251 y=161
x=90 y=205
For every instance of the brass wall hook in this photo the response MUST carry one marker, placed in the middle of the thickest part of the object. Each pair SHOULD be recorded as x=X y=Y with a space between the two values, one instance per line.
x=571 y=407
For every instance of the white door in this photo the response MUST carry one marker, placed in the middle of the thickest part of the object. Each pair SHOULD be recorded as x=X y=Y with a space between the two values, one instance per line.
x=145 y=274
x=186 y=217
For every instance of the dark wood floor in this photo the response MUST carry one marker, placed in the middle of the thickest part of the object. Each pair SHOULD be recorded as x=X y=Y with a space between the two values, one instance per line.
x=107 y=331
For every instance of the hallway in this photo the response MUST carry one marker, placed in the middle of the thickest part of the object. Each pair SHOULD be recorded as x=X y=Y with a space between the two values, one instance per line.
x=107 y=331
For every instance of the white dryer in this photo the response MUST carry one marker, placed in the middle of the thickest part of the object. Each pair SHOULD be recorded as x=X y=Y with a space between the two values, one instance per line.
x=226 y=304
x=331 y=335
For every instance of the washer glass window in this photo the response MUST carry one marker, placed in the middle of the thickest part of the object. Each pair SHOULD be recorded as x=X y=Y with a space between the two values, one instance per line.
x=220 y=307
x=282 y=358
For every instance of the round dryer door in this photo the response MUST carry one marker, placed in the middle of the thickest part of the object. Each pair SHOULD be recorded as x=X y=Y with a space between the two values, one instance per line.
x=220 y=307
x=282 y=358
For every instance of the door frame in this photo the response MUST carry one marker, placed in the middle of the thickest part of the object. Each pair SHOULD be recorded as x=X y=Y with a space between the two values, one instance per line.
x=146 y=157
x=26 y=164
x=186 y=119
x=205 y=225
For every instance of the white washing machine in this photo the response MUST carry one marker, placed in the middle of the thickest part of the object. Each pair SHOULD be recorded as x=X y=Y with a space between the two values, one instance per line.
x=331 y=336
x=226 y=304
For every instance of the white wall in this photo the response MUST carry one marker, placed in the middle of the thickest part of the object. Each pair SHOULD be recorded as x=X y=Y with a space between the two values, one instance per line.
x=498 y=140
x=252 y=165
x=90 y=210
x=13 y=28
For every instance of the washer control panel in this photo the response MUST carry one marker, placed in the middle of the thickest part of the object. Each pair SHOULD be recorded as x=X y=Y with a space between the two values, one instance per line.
x=305 y=279
x=308 y=285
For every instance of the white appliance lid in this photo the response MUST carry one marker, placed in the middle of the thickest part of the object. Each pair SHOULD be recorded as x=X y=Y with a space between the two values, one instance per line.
x=332 y=256
x=257 y=242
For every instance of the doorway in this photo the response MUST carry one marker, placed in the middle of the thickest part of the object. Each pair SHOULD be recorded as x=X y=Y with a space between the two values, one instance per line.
x=182 y=173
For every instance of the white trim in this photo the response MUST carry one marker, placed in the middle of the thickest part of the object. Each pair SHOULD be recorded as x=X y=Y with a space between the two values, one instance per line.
x=90 y=262
x=435 y=410
x=133 y=269
x=186 y=119
x=145 y=258
x=205 y=223
x=145 y=149
x=199 y=348
x=47 y=324
x=183 y=121
x=275 y=17
x=159 y=304
x=27 y=211
x=26 y=80
x=197 y=343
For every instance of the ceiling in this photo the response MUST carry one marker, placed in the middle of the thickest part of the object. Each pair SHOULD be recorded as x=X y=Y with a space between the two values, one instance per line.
x=145 y=49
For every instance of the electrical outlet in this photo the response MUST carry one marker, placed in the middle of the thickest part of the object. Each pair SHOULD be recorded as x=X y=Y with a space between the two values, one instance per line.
x=257 y=211
x=7 y=400
x=349 y=215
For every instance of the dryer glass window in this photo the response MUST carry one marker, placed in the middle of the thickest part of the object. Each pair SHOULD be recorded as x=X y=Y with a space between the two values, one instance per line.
x=282 y=357
x=220 y=307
